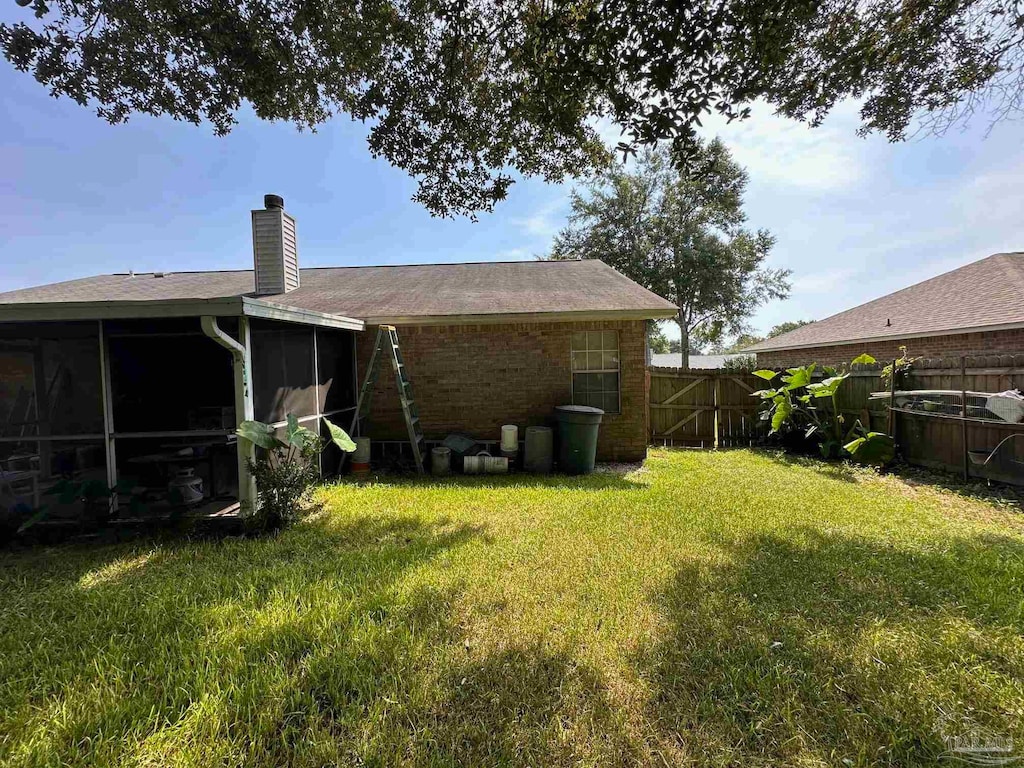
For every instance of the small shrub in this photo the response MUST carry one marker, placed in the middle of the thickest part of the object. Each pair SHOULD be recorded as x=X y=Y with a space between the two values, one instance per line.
x=285 y=470
x=740 y=363
x=283 y=479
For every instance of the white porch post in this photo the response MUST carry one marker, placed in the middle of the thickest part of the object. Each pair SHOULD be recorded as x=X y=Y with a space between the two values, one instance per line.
x=109 y=452
x=241 y=354
x=316 y=394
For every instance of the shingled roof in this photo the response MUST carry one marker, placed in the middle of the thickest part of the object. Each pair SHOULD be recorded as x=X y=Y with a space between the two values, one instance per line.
x=982 y=296
x=416 y=293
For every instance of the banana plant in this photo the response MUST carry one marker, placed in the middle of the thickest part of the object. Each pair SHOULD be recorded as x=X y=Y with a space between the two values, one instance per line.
x=297 y=437
x=795 y=404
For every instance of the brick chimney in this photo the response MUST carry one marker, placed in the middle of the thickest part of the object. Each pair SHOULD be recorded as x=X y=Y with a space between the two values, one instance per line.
x=274 y=248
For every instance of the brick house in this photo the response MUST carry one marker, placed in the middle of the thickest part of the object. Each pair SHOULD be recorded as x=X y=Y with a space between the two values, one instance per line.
x=103 y=373
x=975 y=310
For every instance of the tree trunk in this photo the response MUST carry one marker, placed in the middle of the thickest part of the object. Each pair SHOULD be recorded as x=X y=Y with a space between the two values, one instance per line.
x=684 y=340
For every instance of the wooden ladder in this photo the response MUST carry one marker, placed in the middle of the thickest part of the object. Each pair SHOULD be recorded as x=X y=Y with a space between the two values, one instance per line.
x=387 y=344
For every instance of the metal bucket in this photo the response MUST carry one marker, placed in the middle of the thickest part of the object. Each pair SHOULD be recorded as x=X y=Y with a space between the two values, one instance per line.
x=440 y=461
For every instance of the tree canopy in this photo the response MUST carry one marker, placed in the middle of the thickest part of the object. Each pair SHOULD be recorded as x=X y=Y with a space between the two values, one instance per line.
x=748 y=339
x=681 y=236
x=462 y=93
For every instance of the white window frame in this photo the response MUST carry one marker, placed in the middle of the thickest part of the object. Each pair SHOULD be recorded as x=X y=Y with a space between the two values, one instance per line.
x=617 y=370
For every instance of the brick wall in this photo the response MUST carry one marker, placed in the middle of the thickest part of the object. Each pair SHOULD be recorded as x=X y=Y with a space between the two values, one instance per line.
x=985 y=343
x=474 y=378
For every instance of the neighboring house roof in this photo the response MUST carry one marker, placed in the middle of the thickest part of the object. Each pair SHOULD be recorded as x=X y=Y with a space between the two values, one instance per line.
x=416 y=293
x=982 y=296
x=675 y=360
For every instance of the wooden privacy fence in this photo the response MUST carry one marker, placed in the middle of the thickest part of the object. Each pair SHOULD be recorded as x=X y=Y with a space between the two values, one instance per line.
x=703 y=408
x=714 y=408
x=943 y=440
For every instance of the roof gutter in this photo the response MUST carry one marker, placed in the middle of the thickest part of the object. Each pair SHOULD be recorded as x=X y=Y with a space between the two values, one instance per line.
x=522 y=317
x=231 y=306
x=889 y=337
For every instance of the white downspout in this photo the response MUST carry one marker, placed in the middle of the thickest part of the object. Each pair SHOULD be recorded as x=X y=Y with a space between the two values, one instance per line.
x=241 y=355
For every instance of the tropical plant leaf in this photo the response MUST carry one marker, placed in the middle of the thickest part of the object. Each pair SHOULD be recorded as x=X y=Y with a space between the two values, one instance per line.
x=293 y=428
x=259 y=434
x=340 y=437
x=299 y=436
x=65 y=490
x=38 y=515
x=783 y=410
x=765 y=394
x=828 y=387
x=766 y=374
x=875 y=448
x=798 y=377
x=864 y=359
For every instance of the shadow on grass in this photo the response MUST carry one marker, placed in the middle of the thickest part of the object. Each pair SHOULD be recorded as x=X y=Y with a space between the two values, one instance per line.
x=832 y=470
x=213 y=652
x=596 y=481
x=833 y=649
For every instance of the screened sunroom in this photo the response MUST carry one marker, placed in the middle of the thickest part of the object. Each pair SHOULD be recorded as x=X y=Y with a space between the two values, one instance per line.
x=145 y=397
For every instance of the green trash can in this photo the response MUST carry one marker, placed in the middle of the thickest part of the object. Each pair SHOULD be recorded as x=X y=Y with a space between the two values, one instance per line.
x=577 y=437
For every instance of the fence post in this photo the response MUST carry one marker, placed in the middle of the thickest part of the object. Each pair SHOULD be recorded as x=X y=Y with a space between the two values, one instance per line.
x=963 y=417
x=718 y=412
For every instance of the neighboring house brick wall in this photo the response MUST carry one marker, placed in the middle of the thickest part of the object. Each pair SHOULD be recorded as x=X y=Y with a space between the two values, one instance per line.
x=474 y=378
x=971 y=344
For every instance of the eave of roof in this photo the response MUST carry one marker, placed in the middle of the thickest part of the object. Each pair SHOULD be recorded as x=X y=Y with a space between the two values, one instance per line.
x=229 y=306
x=761 y=347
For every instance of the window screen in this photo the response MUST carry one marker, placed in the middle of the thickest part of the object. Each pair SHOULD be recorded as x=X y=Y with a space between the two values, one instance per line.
x=595 y=369
x=282 y=371
x=337 y=369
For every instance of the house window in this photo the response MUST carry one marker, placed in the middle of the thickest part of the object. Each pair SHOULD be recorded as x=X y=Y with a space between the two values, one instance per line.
x=595 y=369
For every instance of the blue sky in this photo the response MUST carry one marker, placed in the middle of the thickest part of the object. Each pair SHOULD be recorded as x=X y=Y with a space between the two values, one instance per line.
x=855 y=218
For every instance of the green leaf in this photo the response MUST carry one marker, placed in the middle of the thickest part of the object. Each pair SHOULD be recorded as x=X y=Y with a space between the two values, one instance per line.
x=766 y=374
x=864 y=359
x=798 y=377
x=765 y=394
x=259 y=434
x=66 y=491
x=293 y=429
x=339 y=436
x=875 y=448
x=783 y=410
x=298 y=435
x=92 y=490
x=828 y=387
x=38 y=515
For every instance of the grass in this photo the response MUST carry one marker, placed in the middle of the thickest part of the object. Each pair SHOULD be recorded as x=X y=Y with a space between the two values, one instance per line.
x=712 y=609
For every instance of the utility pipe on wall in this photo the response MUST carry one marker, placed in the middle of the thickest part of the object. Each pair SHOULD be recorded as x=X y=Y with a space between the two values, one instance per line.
x=241 y=355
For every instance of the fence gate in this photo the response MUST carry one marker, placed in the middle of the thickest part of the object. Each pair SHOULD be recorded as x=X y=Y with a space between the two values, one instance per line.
x=707 y=408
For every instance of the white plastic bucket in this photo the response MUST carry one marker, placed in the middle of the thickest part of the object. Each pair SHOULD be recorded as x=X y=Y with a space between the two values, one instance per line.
x=496 y=465
x=509 y=438
x=474 y=465
x=362 y=452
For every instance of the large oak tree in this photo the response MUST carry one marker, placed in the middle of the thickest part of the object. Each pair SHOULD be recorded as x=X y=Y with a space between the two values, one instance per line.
x=681 y=236
x=462 y=93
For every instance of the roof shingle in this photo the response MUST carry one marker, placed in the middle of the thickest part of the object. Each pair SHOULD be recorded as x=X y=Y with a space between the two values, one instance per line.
x=377 y=293
x=989 y=292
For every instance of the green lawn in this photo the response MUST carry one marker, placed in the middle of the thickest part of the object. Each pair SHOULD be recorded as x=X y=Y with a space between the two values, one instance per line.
x=712 y=609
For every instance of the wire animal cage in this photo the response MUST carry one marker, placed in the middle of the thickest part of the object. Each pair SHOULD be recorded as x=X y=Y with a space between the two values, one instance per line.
x=950 y=402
